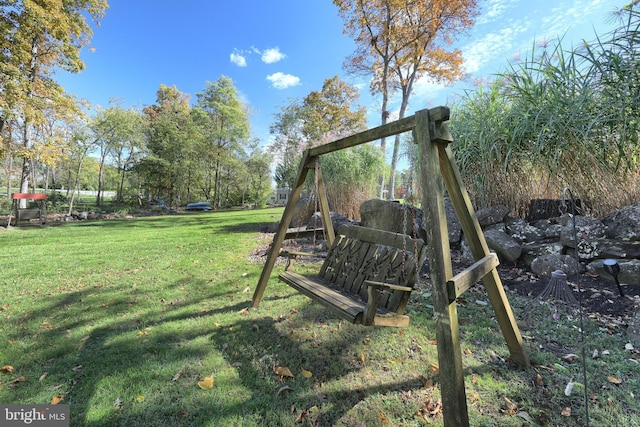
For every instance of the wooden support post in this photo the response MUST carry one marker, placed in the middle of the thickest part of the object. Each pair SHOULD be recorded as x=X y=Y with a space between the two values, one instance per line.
x=478 y=245
x=439 y=256
x=324 y=207
x=306 y=164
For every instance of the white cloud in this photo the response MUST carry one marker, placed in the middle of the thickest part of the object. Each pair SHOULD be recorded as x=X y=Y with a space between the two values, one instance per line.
x=238 y=59
x=282 y=81
x=272 y=55
x=494 y=10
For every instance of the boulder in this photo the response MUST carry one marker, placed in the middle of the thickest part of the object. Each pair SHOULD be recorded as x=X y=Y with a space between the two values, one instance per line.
x=454 y=227
x=336 y=220
x=624 y=224
x=492 y=215
x=390 y=216
x=304 y=209
x=521 y=231
x=586 y=228
x=507 y=248
x=629 y=270
x=544 y=265
x=534 y=250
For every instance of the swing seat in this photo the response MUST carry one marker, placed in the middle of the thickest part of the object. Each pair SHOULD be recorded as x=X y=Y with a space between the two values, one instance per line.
x=367 y=277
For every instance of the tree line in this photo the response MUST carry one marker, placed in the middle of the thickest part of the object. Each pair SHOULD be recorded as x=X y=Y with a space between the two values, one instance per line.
x=181 y=152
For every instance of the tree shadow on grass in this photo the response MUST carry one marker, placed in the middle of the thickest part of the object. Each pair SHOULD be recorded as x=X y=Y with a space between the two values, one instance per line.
x=327 y=358
x=124 y=352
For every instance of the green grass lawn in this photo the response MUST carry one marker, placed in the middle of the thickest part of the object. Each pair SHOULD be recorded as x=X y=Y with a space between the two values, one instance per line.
x=122 y=319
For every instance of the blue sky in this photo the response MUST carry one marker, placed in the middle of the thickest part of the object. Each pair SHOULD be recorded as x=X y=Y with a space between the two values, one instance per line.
x=278 y=50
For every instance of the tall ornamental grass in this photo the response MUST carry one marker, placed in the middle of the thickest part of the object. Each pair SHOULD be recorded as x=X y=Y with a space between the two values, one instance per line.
x=558 y=118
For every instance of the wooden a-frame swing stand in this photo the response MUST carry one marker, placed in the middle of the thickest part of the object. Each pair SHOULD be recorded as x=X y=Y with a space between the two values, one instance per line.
x=437 y=171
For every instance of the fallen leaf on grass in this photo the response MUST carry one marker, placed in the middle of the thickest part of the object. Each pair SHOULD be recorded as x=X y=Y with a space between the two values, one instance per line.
x=539 y=380
x=57 y=399
x=433 y=368
x=43 y=376
x=7 y=369
x=17 y=381
x=140 y=398
x=206 y=383
x=4 y=306
x=362 y=358
x=383 y=418
x=570 y=358
x=78 y=368
x=614 y=379
x=177 y=376
x=282 y=371
x=566 y=412
x=509 y=407
x=431 y=408
x=306 y=374
x=305 y=414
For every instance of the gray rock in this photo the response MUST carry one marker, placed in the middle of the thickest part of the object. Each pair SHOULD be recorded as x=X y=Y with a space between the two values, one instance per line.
x=624 y=224
x=553 y=231
x=586 y=228
x=507 y=248
x=304 y=209
x=544 y=265
x=454 y=227
x=629 y=270
x=534 y=250
x=336 y=220
x=492 y=215
x=521 y=231
x=390 y=216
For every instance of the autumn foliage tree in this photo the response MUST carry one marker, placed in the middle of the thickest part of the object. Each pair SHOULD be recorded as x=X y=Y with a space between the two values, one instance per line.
x=38 y=37
x=401 y=41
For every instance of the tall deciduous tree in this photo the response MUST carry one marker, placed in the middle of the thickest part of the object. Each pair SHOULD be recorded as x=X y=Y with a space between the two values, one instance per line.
x=229 y=127
x=171 y=135
x=120 y=137
x=37 y=37
x=333 y=112
x=400 y=41
x=321 y=117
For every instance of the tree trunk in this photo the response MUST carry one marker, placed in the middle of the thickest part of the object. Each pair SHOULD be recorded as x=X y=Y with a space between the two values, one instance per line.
x=76 y=185
x=396 y=149
x=27 y=163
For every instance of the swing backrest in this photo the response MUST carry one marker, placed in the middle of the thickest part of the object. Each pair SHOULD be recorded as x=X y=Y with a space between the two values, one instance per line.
x=360 y=253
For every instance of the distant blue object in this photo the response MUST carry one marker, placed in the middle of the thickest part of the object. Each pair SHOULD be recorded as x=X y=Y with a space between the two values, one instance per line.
x=200 y=206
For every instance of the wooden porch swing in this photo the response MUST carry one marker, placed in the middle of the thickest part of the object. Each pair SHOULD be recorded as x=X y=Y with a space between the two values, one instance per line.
x=362 y=279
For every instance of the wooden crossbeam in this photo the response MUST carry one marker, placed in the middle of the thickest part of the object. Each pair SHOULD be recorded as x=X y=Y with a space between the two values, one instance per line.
x=462 y=281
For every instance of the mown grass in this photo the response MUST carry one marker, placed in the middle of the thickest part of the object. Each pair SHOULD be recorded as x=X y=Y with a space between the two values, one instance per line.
x=122 y=318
